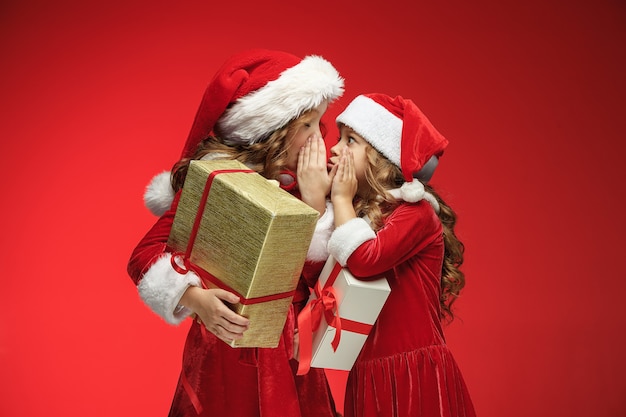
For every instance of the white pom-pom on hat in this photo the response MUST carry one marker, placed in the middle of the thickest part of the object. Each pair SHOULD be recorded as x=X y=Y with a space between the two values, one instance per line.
x=414 y=191
x=159 y=194
x=398 y=129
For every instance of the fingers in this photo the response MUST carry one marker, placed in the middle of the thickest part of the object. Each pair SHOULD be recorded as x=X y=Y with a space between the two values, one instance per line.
x=333 y=172
x=229 y=316
x=300 y=159
x=218 y=318
x=229 y=330
x=224 y=295
x=345 y=167
x=348 y=164
x=318 y=151
x=303 y=156
x=313 y=153
x=232 y=318
x=345 y=183
x=225 y=334
x=225 y=329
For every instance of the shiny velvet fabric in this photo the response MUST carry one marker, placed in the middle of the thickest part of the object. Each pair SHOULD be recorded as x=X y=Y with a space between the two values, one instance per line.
x=405 y=368
x=240 y=382
x=226 y=381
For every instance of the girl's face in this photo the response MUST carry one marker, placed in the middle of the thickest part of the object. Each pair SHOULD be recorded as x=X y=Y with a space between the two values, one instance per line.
x=309 y=127
x=358 y=147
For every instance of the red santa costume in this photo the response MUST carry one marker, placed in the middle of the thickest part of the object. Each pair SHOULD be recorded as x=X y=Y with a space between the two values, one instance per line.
x=405 y=367
x=252 y=95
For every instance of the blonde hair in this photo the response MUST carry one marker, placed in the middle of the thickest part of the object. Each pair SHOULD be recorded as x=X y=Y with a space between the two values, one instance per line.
x=268 y=157
x=382 y=175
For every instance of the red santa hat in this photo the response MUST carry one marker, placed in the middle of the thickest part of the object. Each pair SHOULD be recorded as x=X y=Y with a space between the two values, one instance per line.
x=397 y=128
x=253 y=94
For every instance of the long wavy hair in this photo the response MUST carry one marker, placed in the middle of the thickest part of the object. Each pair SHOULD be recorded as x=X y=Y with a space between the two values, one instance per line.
x=382 y=175
x=268 y=157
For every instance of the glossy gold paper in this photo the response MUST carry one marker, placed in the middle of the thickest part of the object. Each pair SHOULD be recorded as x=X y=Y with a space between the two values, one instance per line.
x=253 y=237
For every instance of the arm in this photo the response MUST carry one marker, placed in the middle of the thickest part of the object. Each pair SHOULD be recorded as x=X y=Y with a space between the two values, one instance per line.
x=353 y=243
x=352 y=231
x=407 y=231
x=314 y=185
x=175 y=296
x=159 y=285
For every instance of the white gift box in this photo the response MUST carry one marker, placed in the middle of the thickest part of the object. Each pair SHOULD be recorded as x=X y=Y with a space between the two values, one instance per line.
x=357 y=301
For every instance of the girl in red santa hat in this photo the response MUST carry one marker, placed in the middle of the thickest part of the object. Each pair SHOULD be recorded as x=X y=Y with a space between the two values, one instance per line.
x=261 y=108
x=398 y=227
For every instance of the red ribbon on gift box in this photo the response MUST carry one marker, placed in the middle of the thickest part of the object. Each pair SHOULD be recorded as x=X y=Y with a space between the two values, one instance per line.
x=186 y=265
x=309 y=320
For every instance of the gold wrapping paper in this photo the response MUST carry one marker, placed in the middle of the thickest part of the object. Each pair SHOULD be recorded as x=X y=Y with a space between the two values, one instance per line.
x=253 y=237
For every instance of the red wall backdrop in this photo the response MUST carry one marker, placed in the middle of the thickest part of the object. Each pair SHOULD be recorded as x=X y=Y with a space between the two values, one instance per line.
x=96 y=97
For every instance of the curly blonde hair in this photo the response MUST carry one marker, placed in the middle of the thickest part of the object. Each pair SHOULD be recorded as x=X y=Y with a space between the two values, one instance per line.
x=268 y=157
x=382 y=175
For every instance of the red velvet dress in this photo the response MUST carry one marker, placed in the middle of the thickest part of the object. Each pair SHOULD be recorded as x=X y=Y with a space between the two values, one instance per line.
x=236 y=382
x=405 y=368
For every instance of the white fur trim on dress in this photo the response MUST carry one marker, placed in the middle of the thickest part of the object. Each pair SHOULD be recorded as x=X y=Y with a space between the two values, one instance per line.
x=348 y=237
x=299 y=88
x=372 y=121
x=161 y=288
x=318 y=250
x=159 y=194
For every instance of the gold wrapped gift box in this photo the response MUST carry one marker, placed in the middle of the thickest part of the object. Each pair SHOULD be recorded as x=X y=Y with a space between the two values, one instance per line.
x=252 y=237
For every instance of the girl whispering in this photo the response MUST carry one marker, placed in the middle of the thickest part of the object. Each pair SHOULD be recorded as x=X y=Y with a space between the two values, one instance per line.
x=261 y=108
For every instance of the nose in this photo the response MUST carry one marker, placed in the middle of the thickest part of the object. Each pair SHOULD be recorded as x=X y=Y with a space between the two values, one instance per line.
x=336 y=149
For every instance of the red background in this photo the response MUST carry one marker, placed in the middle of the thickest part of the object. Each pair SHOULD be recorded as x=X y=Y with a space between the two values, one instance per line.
x=97 y=97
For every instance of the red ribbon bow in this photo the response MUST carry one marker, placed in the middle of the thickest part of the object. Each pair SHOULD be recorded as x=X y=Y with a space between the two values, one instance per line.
x=182 y=264
x=310 y=318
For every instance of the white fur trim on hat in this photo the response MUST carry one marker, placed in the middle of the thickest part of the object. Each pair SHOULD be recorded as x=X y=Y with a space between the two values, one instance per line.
x=159 y=194
x=379 y=127
x=348 y=237
x=161 y=288
x=298 y=89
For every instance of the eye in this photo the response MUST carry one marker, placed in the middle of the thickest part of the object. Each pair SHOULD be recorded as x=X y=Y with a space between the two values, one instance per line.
x=351 y=139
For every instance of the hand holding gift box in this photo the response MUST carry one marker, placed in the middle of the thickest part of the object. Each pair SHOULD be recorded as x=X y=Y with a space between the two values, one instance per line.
x=241 y=233
x=335 y=323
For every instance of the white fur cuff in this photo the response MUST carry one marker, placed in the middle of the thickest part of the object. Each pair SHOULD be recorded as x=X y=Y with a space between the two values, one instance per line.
x=162 y=287
x=348 y=237
x=318 y=250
